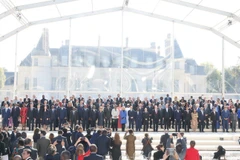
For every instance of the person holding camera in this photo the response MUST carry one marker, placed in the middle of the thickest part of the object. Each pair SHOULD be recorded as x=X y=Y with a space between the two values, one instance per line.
x=130 y=144
x=80 y=151
x=58 y=141
x=159 y=154
x=170 y=151
x=147 y=147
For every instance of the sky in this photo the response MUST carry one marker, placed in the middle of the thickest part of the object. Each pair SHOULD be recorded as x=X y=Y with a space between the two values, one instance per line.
x=201 y=45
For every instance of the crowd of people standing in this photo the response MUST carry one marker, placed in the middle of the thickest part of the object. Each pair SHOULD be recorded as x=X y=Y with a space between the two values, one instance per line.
x=155 y=113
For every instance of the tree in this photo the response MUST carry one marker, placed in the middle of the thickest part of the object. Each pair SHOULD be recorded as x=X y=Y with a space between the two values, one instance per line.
x=232 y=82
x=2 y=78
x=214 y=79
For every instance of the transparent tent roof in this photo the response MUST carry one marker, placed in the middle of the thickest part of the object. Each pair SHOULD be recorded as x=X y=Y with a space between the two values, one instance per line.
x=220 y=17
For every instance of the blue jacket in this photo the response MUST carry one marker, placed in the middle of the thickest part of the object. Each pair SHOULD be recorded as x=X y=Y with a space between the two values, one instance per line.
x=103 y=144
x=177 y=115
x=225 y=114
x=6 y=114
x=238 y=112
x=62 y=113
x=201 y=116
x=123 y=116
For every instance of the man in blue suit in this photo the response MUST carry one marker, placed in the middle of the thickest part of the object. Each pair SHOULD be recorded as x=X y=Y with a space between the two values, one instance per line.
x=225 y=118
x=177 y=119
x=6 y=114
x=93 y=155
x=62 y=116
x=201 y=119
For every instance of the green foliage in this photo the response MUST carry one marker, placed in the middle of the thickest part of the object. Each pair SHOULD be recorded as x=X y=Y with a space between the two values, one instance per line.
x=2 y=78
x=214 y=79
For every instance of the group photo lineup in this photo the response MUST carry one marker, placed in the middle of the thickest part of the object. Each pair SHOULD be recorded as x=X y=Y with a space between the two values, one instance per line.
x=119 y=80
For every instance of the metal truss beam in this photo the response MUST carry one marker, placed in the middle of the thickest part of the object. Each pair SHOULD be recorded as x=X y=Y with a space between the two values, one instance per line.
x=33 y=5
x=183 y=22
x=50 y=20
x=203 y=8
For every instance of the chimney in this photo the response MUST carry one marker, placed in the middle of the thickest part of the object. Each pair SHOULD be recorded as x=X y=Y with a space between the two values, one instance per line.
x=127 y=42
x=45 y=41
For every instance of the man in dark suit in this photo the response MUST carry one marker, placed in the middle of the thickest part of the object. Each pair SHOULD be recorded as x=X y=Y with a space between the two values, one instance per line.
x=103 y=143
x=42 y=145
x=73 y=117
x=138 y=119
x=107 y=116
x=53 y=118
x=80 y=110
x=59 y=140
x=118 y=99
x=38 y=116
x=109 y=100
x=62 y=116
x=99 y=99
x=15 y=115
x=166 y=117
x=131 y=117
x=187 y=119
x=167 y=99
x=65 y=99
x=201 y=119
x=93 y=116
x=85 y=117
x=164 y=139
x=191 y=101
x=155 y=116
x=150 y=110
x=26 y=99
x=30 y=117
x=214 y=119
x=177 y=119
x=43 y=99
x=28 y=145
x=6 y=114
x=93 y=156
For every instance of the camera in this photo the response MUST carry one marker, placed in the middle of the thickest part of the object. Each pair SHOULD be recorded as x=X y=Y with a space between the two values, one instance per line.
x=170 y=151
x=82 y=138
x=174 y=134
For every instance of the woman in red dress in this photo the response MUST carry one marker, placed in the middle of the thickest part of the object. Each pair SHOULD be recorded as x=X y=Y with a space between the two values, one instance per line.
x=23 y=115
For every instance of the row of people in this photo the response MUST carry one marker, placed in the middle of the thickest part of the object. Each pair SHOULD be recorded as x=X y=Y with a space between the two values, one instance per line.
x=119 y=117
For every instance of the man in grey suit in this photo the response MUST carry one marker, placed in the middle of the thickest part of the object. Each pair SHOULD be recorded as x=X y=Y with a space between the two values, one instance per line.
x=42 y=145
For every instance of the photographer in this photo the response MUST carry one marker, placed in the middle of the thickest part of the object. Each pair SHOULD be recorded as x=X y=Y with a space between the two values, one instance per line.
x=181 y=146
x=58 y=142
x=147 y=147
x=80 y=151
x=130 y=144
x=170 y=151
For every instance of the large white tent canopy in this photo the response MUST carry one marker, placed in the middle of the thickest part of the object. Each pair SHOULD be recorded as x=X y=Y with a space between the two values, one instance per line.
x=221 y=17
